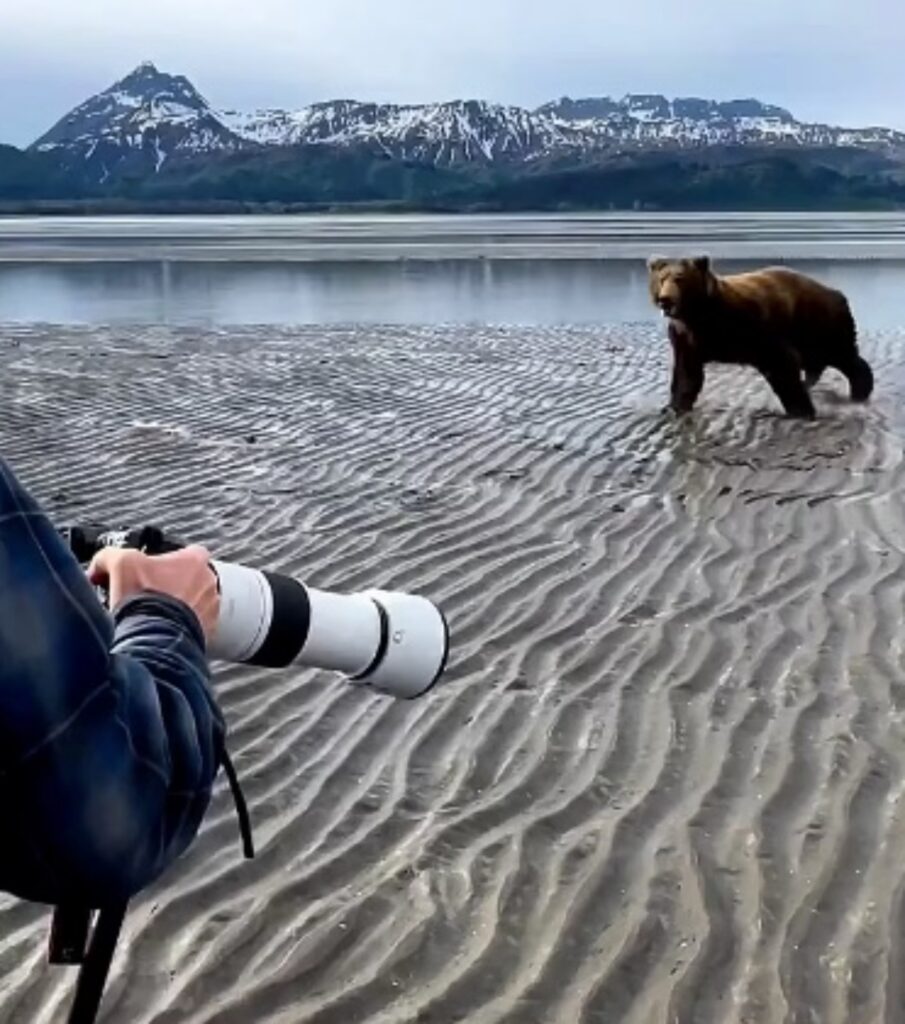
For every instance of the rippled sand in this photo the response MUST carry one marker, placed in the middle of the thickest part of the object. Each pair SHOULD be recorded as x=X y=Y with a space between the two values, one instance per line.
x=663 y=780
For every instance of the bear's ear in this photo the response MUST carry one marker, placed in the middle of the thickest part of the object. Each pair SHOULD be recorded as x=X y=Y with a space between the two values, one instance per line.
x=656 y=263
x=701 y=263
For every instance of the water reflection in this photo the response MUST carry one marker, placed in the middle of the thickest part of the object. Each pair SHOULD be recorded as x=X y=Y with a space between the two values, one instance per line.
x=405 y=292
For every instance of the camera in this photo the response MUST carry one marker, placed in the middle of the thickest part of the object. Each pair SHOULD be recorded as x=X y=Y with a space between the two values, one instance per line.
x=393 y=642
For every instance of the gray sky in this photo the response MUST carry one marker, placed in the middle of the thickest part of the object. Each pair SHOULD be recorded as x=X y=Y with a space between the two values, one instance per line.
x=840 y=61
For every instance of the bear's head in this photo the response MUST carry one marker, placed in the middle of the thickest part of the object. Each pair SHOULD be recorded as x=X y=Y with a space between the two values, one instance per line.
x=680 y=287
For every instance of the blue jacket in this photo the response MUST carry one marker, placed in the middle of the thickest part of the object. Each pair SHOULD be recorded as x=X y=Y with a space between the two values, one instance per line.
x=110 y=739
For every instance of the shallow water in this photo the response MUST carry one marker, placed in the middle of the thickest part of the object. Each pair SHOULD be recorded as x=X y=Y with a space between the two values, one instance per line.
x=451 y=291
x=367 y=269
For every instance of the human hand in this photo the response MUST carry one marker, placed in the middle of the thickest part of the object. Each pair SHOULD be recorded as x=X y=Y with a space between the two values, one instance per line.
x=185 y=575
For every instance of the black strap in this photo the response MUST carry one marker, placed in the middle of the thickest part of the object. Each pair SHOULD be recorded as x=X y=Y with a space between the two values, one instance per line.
x=69 y=933
x=69 y=944
x=248 y=846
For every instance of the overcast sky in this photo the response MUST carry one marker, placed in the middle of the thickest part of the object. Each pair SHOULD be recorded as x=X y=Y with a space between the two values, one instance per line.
x=840 y=61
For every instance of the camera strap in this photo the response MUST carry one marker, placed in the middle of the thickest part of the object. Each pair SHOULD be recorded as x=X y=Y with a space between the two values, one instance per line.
x=70 y=944
x=73 y=942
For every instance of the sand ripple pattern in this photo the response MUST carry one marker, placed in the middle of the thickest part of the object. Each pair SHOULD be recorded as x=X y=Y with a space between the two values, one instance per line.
x=664 y=781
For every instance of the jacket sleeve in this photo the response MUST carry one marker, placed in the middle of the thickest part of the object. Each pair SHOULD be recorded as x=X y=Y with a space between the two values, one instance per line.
x=110 y=739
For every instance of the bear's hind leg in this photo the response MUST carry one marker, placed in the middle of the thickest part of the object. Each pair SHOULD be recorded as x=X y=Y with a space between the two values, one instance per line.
x=812 y=375
x=783 y=373
x=841 y=345
x=860 y=377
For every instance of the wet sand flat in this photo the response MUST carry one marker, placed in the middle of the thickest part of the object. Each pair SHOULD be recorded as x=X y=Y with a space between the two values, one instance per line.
x=663 y=781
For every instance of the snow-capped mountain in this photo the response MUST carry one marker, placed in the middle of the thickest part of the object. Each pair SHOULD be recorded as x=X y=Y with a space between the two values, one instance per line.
x=438 y=133
x=473 y=130
x=449 y=133
x=136 y=125
x=150 y=120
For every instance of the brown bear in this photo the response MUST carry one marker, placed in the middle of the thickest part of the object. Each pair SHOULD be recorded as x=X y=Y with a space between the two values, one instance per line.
x=786 y=325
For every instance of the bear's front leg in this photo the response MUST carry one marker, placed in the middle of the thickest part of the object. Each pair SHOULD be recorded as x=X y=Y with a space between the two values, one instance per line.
x=687 y=373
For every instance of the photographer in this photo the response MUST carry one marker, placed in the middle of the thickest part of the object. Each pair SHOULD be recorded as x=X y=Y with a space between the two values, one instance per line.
x=110 y=738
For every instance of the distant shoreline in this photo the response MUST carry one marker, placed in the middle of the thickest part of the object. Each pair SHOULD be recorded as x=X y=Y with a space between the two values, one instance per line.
x=377 y=234
x=112 y=207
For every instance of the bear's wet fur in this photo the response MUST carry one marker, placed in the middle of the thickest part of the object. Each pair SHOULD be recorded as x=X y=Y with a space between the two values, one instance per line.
x=783 y=323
